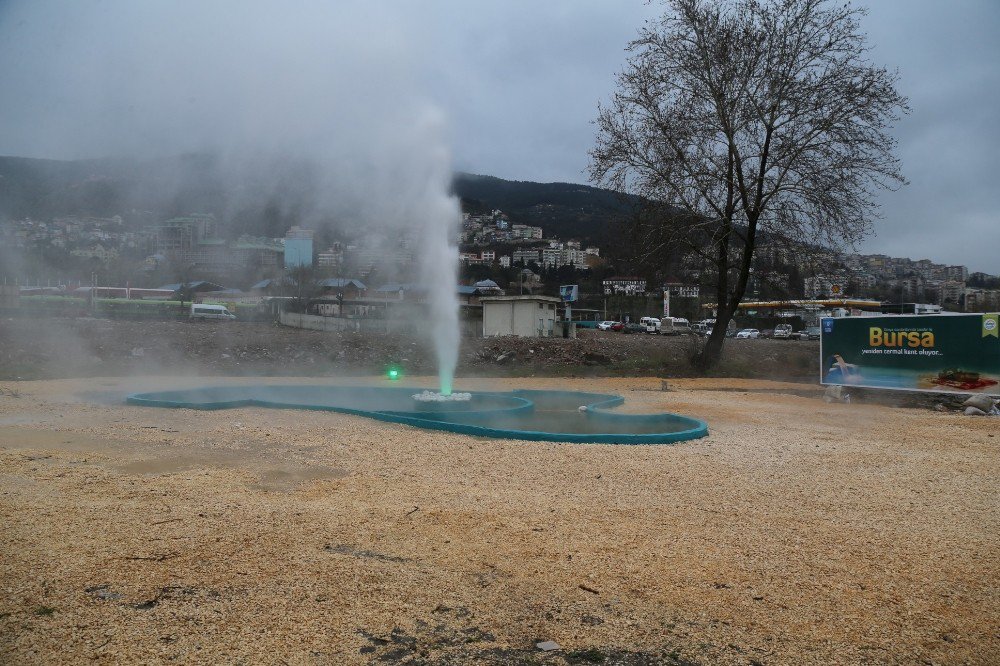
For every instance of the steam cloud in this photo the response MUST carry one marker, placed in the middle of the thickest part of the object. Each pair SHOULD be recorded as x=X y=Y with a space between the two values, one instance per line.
x=335 y=91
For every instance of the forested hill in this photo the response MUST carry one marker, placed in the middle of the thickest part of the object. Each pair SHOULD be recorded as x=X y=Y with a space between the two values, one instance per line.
x=42 y=189
x=563 y=210
x=166 y=187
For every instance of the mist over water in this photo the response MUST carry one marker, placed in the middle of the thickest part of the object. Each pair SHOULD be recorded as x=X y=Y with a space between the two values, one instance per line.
x=322 y=111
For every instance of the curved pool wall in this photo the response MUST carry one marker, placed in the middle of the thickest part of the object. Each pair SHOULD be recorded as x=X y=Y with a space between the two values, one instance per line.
x=551 y=416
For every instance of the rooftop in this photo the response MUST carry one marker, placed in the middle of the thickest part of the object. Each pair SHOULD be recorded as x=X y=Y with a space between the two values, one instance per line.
x=504 y=299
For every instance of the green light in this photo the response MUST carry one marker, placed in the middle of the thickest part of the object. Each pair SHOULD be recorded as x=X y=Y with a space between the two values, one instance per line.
x=393 y=373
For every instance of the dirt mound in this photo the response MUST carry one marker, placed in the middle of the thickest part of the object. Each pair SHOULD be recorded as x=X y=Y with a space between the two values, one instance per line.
x=53 y=348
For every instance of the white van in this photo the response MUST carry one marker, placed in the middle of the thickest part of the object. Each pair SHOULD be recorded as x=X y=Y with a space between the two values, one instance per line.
x=675 y=326
x=205 y=311
x=652 y=324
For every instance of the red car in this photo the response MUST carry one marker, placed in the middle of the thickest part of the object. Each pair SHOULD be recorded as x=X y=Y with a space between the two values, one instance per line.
x=617 y=326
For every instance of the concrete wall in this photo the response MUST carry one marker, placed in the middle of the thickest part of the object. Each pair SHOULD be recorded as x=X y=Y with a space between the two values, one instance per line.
x=469 y=328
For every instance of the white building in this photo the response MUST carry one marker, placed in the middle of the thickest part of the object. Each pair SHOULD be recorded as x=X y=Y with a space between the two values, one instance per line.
x=957 y=273
x=952 y=292
x=525 y=257
x=523 y=316
x=551 y=256
x=525 y=231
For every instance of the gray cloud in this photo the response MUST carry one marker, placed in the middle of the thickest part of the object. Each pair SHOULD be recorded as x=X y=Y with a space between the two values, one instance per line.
x=517 y=83
x=949 y=62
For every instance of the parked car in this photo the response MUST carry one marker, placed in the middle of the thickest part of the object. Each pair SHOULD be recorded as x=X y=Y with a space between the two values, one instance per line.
x=605 y=325
x=633 y=327
x=810 y=333
x=767 y=333
x=783 y=332
x=618 y=326
x=748 y=333
x=710 y=326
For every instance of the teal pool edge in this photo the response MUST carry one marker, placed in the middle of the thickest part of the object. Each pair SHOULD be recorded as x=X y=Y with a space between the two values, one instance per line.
x=597 y=408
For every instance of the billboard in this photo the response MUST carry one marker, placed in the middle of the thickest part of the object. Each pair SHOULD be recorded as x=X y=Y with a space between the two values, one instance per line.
x=959 y=353
x=570 y=293
x=682 y=290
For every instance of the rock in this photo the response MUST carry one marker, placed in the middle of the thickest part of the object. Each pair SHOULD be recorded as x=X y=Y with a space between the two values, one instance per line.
x=547 y=646
x=974 y=411
x=102 y=592
x=835 y=394
x=983 y=403
x=940 y=408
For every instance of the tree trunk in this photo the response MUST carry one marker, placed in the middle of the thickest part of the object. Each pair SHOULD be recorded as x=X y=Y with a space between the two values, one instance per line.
x=712 y=352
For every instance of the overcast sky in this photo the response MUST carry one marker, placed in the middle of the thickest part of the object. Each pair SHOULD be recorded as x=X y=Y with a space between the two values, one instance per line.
x=517 y=83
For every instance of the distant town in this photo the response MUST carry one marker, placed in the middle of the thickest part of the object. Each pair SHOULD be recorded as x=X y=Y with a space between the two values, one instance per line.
x=79 y=251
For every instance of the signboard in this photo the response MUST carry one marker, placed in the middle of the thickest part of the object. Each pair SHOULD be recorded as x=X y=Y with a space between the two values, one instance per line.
x=666 y=303
x=959 y=353
x=682 y=290
x=569 y=292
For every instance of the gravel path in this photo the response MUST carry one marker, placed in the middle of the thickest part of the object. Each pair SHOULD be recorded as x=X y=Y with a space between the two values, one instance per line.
x=799 y=532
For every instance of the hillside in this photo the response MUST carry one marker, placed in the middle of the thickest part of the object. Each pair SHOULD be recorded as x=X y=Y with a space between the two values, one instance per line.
x=259 y=202
x=564 y=210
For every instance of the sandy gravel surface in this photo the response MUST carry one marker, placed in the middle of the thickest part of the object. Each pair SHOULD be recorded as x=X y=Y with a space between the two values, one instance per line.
x=797 y=533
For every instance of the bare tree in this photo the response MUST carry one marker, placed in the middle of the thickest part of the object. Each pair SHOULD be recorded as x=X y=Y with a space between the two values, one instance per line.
x=751 y=117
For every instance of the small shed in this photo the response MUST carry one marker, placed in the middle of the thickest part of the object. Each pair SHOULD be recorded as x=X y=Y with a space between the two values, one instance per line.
x=523 y=316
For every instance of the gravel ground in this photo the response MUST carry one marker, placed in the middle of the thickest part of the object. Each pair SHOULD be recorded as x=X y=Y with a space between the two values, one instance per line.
x=55 y=348
x=799 y=532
